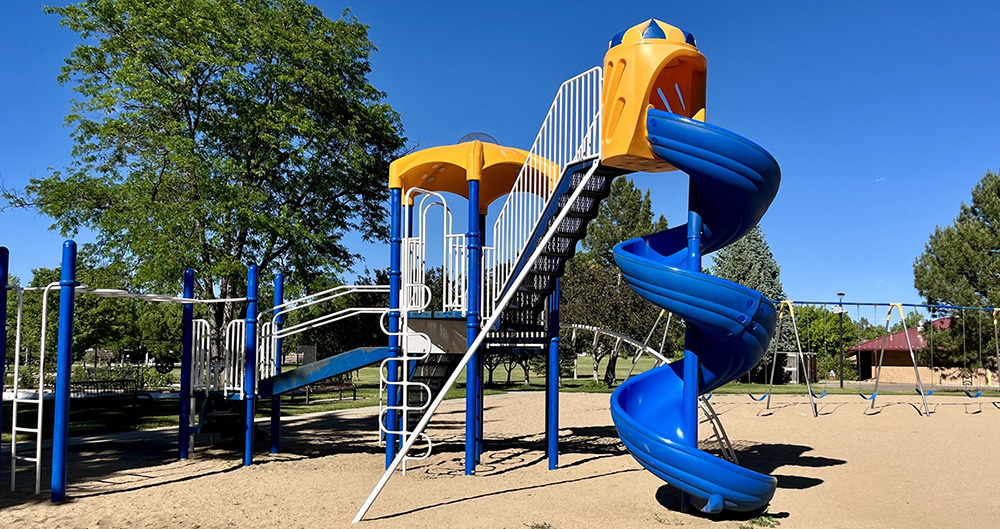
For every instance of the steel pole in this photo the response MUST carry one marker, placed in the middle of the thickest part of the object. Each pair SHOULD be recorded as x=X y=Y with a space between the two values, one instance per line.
x=250 y=366
x=4 y=263
x=279 y=298
x=187 y=331
x=64 y=368
x=842 y=346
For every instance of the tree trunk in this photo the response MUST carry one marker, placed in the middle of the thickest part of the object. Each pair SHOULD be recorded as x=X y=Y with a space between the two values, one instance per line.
x=597 y=367
x=610 y=376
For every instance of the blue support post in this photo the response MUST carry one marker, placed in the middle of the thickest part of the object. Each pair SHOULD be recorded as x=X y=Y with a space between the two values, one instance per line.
x=552 y=382
x=250 y=366
x=473 y=377
x=187 y=330
x=279 y=298
x=4 y=263
x=64 y=367
x=692 y=366
x=395 y=258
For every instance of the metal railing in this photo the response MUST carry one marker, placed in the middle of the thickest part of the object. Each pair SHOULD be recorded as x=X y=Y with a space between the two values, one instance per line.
x=570 y=134
x=414 y=253
x=204 y=378
x=39 y=396
x=456 y=274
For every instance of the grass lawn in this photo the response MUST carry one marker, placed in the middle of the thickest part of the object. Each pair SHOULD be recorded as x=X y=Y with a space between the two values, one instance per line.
x=91 y=419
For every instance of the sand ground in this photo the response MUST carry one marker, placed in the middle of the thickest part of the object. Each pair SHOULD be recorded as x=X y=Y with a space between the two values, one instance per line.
x=850 y=467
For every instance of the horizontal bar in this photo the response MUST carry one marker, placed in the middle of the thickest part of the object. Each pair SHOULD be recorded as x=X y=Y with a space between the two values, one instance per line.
x=885 y=304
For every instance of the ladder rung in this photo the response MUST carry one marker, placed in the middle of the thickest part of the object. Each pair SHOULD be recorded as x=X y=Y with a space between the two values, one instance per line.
x=25 y=430
x=28 y=401
x=26 y=458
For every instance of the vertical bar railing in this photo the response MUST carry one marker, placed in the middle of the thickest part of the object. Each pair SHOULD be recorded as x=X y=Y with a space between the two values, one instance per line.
x=568 y=135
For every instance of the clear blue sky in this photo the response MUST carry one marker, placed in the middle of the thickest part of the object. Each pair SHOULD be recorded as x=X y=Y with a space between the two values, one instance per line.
x=883 y=115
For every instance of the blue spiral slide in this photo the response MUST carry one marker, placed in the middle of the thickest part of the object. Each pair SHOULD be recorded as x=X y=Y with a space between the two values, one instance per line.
x=732 y=183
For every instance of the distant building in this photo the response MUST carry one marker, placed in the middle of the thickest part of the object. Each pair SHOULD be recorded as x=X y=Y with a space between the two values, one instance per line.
x=897 y=365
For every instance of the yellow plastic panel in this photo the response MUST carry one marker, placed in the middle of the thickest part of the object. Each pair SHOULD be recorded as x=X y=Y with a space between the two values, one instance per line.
x=664 y=72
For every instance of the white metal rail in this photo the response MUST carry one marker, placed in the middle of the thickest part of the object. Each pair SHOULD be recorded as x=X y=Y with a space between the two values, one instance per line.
x=569 y=135
x=38 y=401
x=414 y=253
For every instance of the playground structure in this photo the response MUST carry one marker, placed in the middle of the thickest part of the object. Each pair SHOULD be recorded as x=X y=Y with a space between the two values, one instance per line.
x=244 y=375
x=643 y=110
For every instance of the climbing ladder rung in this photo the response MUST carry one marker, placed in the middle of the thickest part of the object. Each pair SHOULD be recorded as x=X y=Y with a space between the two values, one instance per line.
x=26 y=458
x=21 y=429
x=28 y=401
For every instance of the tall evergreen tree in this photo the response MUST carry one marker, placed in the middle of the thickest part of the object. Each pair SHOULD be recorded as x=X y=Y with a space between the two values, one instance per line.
x=750 y=262
x=960 y=266
x=625 y=214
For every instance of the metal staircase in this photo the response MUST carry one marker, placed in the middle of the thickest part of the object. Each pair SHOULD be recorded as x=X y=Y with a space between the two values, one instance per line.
x=525 y=310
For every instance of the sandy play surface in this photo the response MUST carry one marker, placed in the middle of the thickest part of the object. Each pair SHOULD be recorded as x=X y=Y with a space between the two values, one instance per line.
x=848 y=468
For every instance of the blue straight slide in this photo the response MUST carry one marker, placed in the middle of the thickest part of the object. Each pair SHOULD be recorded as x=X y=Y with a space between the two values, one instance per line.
x=321 y=370
x=732 y=183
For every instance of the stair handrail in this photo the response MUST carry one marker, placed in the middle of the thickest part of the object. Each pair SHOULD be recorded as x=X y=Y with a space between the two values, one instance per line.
x=483 y=331
x=568 y=135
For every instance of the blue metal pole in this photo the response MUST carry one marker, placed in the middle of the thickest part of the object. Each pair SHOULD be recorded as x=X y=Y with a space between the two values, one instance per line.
x=279 y=298
x=250 y=366
x=472 y=378
x=692 y=367
x=395 y=258
x=187 y=321
x=552 y=382
x=64 y=367
x=4 y=263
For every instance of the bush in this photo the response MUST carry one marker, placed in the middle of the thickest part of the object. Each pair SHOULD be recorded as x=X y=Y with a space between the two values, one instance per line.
x=832 y=362
x=147 y=376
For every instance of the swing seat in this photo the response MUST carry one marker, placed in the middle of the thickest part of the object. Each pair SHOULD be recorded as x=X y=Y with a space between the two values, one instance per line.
x=869 y=397
x=971 y=396
x=821 y=395
x=926 y=393
x=757 y=399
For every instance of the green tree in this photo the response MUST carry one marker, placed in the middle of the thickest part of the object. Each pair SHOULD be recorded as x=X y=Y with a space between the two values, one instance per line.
x=751 y=263
x=594 y=291
x=959 y=266
x=214 y=133
x=625 y=214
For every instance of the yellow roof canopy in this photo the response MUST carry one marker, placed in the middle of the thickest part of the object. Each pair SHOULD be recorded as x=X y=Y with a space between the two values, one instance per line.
x=450 y=167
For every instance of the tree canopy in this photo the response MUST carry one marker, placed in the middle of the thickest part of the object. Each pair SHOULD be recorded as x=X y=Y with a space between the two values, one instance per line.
x=750 y=262
x=625 y=214
x=959 y=267
x=214 y=133
x=959 y=264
